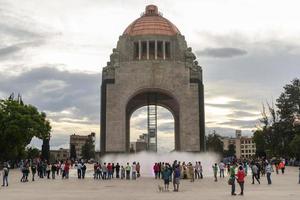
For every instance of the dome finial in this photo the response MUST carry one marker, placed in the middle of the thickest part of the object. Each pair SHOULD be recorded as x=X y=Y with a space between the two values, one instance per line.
x=151 y=10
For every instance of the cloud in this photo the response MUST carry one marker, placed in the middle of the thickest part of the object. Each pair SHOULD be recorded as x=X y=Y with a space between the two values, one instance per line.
x=225 y=52
x=249 y=124
x=71 y=99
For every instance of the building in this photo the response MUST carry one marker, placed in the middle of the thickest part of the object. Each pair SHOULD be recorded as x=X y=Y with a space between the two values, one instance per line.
x=244 y=146
x=141 y=144
x=152 y=65
x=78 y=141
x=60 y=154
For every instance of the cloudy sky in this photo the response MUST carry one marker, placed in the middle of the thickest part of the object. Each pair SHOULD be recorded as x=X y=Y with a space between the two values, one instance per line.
x=52 y=52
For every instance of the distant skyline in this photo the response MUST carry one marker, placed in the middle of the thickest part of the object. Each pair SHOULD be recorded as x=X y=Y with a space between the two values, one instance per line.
x=53 y=54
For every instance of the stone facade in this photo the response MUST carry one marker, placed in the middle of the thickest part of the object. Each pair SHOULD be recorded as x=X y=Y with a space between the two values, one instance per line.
x=175 y=78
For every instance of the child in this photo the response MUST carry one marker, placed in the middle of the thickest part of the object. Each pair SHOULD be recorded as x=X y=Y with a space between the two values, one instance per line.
x=122 y=172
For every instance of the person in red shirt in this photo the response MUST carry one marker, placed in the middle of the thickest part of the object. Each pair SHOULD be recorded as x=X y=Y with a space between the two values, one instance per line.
x=240 y=176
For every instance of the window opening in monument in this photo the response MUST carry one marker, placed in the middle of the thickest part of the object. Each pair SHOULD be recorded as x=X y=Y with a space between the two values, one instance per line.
x=139 y=130
x=136 y=51
x=159 y=50
x=152 y=50
x=168 y=50
x=144 y=50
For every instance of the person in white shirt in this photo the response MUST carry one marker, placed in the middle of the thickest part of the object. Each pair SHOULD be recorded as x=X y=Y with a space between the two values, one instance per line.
x=222 y=168
x=133 y=171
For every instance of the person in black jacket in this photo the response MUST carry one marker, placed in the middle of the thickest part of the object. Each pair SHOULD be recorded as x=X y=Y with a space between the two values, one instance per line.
x=33 y=170
x=117 y=170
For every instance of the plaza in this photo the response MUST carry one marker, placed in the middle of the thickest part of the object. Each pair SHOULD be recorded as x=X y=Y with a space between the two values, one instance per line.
x=284 y=187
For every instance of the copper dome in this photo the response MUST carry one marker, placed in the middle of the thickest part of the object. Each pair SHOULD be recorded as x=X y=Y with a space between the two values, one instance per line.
x=151 y=23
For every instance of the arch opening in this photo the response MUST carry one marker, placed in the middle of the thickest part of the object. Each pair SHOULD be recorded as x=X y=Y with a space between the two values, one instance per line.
x=167 y=115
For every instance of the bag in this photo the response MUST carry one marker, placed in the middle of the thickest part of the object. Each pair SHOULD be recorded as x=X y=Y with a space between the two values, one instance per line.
x=230 y=181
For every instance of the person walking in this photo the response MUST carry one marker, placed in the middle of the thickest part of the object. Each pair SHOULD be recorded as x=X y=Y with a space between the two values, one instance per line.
x=5 y=175
x=269 y=170
x=191 y=172
x=241 y=179
x=255 y=172
x=215 y=170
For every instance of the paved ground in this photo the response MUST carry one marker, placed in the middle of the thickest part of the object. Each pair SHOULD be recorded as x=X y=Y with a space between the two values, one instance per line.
x=284 y=187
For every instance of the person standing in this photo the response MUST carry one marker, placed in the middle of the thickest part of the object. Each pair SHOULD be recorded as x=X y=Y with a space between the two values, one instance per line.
x=33 y=170
x=215 y=170
x=109 y=169
x=104 y=171
x=133 y=171
x=241 y=179
x=53 y=170
x=232 y=179
x=138 y=169
x=48 y=169
x=117 y=170
x=5 y=175
x=176 y=178
x=155 y=169
x=299 y=174
x=200 y=170
x=166 y=177
x=128 y=169
x=191 y=172
x=282 y=167
x=83 y=170
x=221 y=167
x=122 y=172
x=79 y=166
x=269 y=170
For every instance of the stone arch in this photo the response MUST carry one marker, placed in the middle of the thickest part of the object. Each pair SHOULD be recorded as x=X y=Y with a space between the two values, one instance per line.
x=143 y=98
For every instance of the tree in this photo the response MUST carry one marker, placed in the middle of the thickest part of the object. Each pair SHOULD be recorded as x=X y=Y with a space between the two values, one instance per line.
x=19 y=123
x=73 y=152
x=277 y=135
x=214 y=143
x=231 y=151
x=88 y=149
x=32 y=153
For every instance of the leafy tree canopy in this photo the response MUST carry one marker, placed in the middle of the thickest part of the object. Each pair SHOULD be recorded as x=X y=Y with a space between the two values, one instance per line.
x=19 y=123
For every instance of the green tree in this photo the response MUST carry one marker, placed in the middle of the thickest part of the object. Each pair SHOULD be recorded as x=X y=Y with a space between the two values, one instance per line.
x=231 y=151
x=32 y=153
x=214 y=143
x=88 y=149
x=295 y=145
x=19 y=123
x=277 y=135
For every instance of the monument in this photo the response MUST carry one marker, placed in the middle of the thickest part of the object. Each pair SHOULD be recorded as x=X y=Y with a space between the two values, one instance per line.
x=152 y=66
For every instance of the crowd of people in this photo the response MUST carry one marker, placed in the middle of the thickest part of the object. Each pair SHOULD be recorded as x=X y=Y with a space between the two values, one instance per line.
x=236 y=170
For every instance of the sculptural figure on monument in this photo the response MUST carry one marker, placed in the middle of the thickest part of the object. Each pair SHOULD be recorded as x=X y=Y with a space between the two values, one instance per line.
x=189 y=57
x=115 y=58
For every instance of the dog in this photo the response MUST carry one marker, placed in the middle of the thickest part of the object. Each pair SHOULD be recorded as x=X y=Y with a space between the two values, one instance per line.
x=160 y=188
